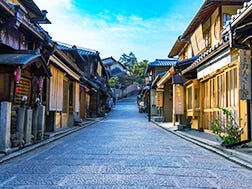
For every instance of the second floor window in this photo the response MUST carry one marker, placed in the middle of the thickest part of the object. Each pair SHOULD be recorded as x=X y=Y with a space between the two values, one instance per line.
x=207 y=38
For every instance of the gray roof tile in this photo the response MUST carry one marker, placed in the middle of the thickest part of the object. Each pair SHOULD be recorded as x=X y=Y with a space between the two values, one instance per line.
x=164 y=62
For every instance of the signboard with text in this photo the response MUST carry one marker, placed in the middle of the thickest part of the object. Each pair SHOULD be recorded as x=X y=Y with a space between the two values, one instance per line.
x=245 y=75
x=178 y=99
x=159 y=98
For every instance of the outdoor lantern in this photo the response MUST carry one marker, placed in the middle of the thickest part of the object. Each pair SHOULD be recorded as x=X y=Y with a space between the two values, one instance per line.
x=40 y=83
x=16 y=77
x=17 y=74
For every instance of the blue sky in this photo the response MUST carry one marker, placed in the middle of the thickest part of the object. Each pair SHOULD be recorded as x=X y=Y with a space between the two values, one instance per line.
x=147 y=28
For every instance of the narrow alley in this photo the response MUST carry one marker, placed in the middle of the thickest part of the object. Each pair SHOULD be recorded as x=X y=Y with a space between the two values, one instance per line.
x=122 y=151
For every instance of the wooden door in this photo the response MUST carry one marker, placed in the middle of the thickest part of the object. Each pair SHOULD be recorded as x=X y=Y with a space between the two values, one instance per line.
x=65 y=104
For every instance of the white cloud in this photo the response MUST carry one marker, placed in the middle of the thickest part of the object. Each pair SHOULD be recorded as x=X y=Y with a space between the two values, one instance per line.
x=54 y=4
x=111 y=35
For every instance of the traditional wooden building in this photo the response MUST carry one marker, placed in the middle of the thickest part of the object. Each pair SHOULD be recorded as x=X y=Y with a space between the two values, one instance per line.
x=62 y=92
x=23 y=67
x=161 y=93
x=213 y=79
x=238 y=31
x=117 y=69
x=95 y=90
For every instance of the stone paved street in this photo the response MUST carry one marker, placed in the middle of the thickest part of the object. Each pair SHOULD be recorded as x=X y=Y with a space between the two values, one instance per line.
x=123 y=151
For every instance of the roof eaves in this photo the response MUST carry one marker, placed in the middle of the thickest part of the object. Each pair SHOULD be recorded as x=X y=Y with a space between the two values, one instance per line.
x=242 y=13
x=7 y=7
x=178 y=45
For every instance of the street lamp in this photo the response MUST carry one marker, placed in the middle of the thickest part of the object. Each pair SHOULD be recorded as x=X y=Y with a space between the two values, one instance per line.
x=149 y=107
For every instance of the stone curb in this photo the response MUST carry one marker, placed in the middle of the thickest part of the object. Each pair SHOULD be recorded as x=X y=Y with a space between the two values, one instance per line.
x=232 y=155
x=44 y=142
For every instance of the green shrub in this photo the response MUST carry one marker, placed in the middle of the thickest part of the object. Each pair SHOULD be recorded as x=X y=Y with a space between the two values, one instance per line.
x=227 y=128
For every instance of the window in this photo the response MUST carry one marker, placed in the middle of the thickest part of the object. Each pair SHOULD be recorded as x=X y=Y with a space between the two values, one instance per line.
x=232 y=90
x=216 y=29
x=70 y=94
x=206 y=95
x=221 y=90
x=206 y=36
x=196 y=98
x=189 y=100
x=65 y=96
x=213 y=92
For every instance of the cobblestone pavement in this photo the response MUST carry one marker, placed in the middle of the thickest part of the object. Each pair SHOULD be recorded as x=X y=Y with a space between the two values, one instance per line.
x=122 y=151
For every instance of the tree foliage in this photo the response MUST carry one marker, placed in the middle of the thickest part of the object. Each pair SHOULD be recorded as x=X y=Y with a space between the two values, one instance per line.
x=136 y=69
x=114 y=82
x=129 y=60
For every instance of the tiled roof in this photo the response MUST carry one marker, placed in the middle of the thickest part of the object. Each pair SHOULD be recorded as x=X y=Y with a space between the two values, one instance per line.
x=109 y=61
x=85 y=52
x=164 y=62
x=187 y=61
x=82 y=51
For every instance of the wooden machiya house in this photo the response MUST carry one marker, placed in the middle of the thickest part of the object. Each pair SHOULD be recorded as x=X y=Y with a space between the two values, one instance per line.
x=23 y=69
x=214 y=79
x=239 y=32
x=161 y=93
x=94 y=88
x=61 y=91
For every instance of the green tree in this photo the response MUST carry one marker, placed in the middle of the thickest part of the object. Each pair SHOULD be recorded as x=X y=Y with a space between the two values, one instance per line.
x=138 y=71
x=128 y=60
x=114 y=82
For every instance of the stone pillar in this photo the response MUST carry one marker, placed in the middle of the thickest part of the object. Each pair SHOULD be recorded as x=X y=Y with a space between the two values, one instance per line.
x=20 y=126
x=41 y=121
x=28 y=126
x=5 y=125
x=35 y=123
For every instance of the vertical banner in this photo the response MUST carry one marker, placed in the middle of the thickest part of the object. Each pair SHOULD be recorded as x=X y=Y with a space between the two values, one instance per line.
x=178 y=99
x=245 y=75
x=159 y=98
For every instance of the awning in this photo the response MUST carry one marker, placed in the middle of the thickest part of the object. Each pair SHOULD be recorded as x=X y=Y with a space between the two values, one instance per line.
x=24 y=60
x=165 y=78
x=177 y=79
x=17 y=59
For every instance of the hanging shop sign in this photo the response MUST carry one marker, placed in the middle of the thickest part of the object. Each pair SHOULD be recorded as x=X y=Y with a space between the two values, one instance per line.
x=245 y=75
x=178 y=99
x=159 y=98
